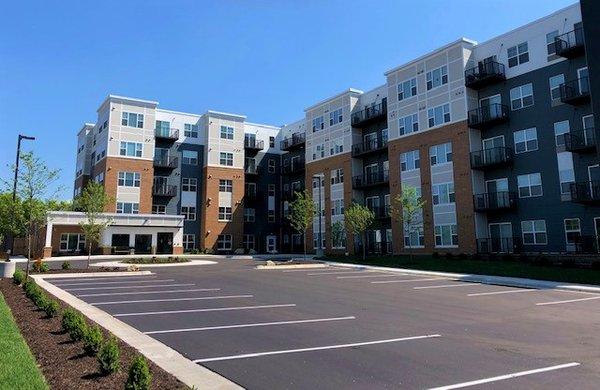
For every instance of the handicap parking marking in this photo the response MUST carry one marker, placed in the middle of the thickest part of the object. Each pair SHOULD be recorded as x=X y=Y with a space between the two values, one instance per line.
x=567 y=301
x=122 y=287
x=148 y=292
x=148 y=313
x=172 y=299
x=408 y=280
x=92 y=283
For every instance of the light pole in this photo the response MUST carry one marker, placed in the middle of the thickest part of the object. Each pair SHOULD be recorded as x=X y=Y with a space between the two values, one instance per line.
x=320 y=247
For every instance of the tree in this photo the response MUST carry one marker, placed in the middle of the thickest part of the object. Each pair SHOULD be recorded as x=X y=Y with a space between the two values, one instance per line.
x=338 y=233
x=406 y=208
x=92 y=202
x=302 y=212
x=359 y=218
x=12 y=222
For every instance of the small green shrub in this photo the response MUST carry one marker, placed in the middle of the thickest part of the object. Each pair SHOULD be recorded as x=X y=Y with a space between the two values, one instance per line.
x=92 y=340
x=542 y=260
x=78 y=327
x=139 y=377
x=40 y=266
x=66 y=265
x=108 y=357
x=52 y=307
x=68 y=319
x=19 y=277
x=40 y=300
x=32 y=290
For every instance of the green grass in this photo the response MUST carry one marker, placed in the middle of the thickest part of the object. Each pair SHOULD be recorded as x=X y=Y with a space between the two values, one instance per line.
x=156 y=260
x=18 y=369
x=515 y=268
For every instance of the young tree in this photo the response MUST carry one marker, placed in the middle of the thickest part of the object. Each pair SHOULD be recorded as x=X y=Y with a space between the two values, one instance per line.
x=12 y=222
x=92 y=202
x=302 y=211
x=338 y=232
x=406 y=208
x=358 y=218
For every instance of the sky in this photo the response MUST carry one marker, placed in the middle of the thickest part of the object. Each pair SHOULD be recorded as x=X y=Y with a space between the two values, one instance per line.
x=268 y=60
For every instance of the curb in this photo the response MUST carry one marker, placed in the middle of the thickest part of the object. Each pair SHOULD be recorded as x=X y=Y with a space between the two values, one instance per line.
x=127 y=265
x=485 y=279
x=93 y=274
x=291 y=266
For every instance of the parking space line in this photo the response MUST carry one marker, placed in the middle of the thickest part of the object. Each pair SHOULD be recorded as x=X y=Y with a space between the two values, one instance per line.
x=523 y=290
x=407 y=280
x=567 y=301
x=123 y=282
x=121 y=287
x=148 y=292
x=339 y=273
x=172 y=299
x=309 y=269
x=447 y=286
x=251 y=325
x=388 y=275
x=149 y=276
x=507 y=376
x=338 y=346
x=204 y=310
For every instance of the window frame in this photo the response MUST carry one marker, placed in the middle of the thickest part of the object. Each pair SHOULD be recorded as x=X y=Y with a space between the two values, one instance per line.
x=534 y=232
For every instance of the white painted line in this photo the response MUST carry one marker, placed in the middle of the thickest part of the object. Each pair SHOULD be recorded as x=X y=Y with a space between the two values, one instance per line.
x=407 y=280
x=123 y=282
x=567 y=301
x=250 y=355
x=90 y=279
x=308 y=269
x=204 y=310
x=148 y=292
x=504 y=377
x=119 y=287
x=171 y=299
x=369 y=276
x=447 y=285
x=523 y=290
x=251 y=325
x=340 y=273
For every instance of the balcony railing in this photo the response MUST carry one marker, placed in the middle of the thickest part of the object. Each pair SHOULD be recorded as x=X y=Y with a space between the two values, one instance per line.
x=164 y=190
x=586 y=192
x=293 y=142
x=499 y=245
x=492 y=157
x=484 y=74
x=166 y=134
x=381 y=212
x=491 y=201
x=371 y=179
x=369 y=114
x=169 y=162
x=252 y=145
x=289 y=194
x=485 y=117
x=375 y=248
x=580 y=140
x=251 y=170
x=294 y=166
x=571 y=44
x=368 y=147
x=575 y=92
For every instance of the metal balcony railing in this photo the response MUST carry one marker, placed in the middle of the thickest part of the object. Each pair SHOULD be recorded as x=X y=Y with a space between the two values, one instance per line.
x=491 y=201
x=295 y=141
x=586 y=192
x=251 y=170
x=485 y=117
x=369 y=114
x=484 y=74
x=166 y=162
x=575 y=92
x=499 y=245
x=368 y=147
x=166 y=134
x=371 y=179
x=570 y=44
x=580 y=140
x=294 y=166
x=486 y=158
x=164 y=190
x=381 y=212
x=253 y=145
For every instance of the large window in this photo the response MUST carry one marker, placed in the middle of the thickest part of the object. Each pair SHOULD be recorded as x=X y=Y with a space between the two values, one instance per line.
x=572 y=231
x=443 y=193
x=560 y=129
x=408 y=124
x=555 y=82
x=335 y=117
x=72 y=242
x=534 y=232
x=438 y=115
x=224 y=242
x=249 y=215
x=189 y=242
x=318 y=151
x=338 y=241
x=190 y=157
x=337 y=146
x=224 y=213
x=521 y=97
x=132 y=119
x=440 y=154
x=526 y=140
x=225 y=185
x=445 y=235
x=190 y=130
x=530 y=185
x=189 y=184
x=249 y=243
x=317 y=124
x=337 y=176
x=226 y=132
x=414 y=237
x=409 y=161
x=337 y=207
x=226 y=158
x=128 y=208
x=518 y=54
x=131 y=149
x=550 y=46
x=129 y=179
x=189 y=212
x=437 y=77
x=407 y=89
x=271 y=166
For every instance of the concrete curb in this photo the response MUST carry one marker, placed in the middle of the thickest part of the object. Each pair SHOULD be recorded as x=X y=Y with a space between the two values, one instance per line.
x=126 y=265
x=485 y=279
x=93 y=274
x=291 y=266
x=190 y=373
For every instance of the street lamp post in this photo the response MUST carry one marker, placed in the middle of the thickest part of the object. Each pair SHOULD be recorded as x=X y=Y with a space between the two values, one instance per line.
x=320 y=247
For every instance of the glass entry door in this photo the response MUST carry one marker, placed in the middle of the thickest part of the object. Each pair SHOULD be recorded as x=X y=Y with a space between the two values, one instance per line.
x=501 y=239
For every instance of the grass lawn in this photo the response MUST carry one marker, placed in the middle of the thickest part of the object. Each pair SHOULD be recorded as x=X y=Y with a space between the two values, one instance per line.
x=480 y=267
x=18 y=369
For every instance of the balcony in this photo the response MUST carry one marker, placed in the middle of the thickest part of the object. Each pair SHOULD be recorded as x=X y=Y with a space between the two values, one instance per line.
x=289 y=194
x=371 y=179
x=492 y=157
x=366 y=148
x=294 y=142
x=375 y=248
x=570 y=45
x=484 y=74
x=295 y=166
x=381 y=212
x=165 y=190
x=486 y=117
x=369 y=115
x=492 y=201
x=580 y=141
x=587 y=192
x=167 y=162
x=169 y=135
x=251 y=170
x=575 y=92
x=499 y=245
x=251 y=145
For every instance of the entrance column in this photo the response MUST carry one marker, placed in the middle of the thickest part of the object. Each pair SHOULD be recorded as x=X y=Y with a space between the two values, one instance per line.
x=48 y=244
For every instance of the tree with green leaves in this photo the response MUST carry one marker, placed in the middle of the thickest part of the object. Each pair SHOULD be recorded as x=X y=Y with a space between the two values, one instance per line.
x=91 y=202
x=358 y=219
x=302 y=212
x=406 y=208
x=338 y=233
x=12 y=219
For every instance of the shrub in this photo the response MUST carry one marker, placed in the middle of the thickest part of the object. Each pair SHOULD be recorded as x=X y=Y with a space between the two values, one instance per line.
x=542 y=260
x=524 y=258
x=18 y=277
x=568 y=263
x=508 y=257
x=31 y=289
x=463 y=256
x=92 y=340
x=67 y=319
x=449 y=255
x=41 y=300
x=66 y=265
x=51 y=308
x=139 y=375
x=435 y=255
x=476 y=256
x=40 y=266
x=78 y=327
x=108 y=357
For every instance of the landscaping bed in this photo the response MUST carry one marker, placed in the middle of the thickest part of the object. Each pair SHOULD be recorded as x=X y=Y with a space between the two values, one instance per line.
x=63 y=361
x=156 y=260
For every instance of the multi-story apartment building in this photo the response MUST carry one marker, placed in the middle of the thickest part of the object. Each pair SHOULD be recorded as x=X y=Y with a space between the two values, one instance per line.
x=497 y=137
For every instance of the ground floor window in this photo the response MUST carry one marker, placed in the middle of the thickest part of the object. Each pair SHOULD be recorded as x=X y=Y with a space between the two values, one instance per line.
x=534 y=232
x=128 y=208
x=572 y=232
x=414 y=237
x=446 y=235
x=71 y=242
x=189 y=242
x=224 y=242
x=249 y=242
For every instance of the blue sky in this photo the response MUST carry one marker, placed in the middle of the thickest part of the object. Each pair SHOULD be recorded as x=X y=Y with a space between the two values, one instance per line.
x=265 y=59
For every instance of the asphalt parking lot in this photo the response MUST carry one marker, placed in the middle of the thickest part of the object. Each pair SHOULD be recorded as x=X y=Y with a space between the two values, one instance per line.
x=347 y=328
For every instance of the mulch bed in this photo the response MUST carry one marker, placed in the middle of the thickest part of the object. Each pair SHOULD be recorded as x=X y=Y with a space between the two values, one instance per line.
x=61 y=360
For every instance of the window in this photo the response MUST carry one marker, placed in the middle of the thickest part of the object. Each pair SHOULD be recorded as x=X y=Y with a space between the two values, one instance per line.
x=271 y=145
x=407 y=89
x=534 y=232
x=127 y=208
x=517 y=55
x=249 y=215
x=337 y=207
x=189 y=184
x=445 y=235
x=437 y=77
x=226 y=132
x=189 y=213
x=521 y=97
x=335 y=117
x=529 y=185
x=271 y=216
x=224 y=213
x=337 y=146
x=443 y=193
x=440 y=154
x=129 y=179
x=438 y=115
x=271 y=166
x=226 y=158
x=159 y=209
x=409 y=161
x=337 y=176
x=566 y=172
x=189 y=242
x=72 y=242
x=190 y=130
x=100 y=155
x=338 y=241
x=226 y=185
x=224 y=242
x=415 y=238
x=271 y=190
x=190 y=157
x=408 y=124
x=318 y=151
x=560 y=129
x=250 y=189
x=555 y=82
x=550 y=47
x=249 y=243
x=99 y=178
x=572 y=231
x=525 y=140
x=132 y=119
x=132 y=149
x=317 y=124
